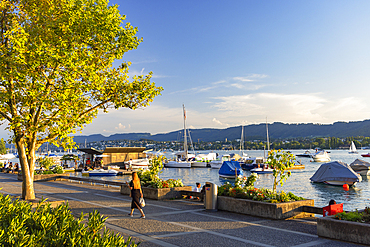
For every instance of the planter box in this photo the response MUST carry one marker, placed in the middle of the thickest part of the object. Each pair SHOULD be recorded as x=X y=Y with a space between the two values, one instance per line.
x=157 y=194
x=44 y=177
x=350 y=231
x=278 y=211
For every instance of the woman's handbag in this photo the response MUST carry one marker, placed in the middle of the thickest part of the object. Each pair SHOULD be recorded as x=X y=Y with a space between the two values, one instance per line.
x=142 y=202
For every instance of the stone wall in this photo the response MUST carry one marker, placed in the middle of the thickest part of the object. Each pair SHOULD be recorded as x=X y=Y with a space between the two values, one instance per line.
x=43 y=177
x=277 y=211
x=350 y=231
x=158 y=194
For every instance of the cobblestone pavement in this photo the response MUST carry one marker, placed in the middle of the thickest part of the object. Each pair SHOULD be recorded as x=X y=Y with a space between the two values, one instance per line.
x=175 y=222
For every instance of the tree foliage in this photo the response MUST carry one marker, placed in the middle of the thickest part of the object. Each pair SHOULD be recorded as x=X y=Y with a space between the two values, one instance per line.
x=2 y=146
x=280 y=161
x=56 y=71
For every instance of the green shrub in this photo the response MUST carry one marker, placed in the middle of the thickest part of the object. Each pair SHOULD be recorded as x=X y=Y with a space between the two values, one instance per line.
x=58 y=169
x=46 y=162
x=46 y=226
x=356 y=216
x=150 y=178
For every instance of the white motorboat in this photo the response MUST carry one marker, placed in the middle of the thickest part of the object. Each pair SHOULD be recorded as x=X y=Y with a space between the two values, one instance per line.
x=8 y=156
x=216 y=164
x=198 y=163
x=202 y=160
x=321 y=156
x=262 y=170
x=252 y=162
x=177 y=164
x=352 y=148
x=140 y=164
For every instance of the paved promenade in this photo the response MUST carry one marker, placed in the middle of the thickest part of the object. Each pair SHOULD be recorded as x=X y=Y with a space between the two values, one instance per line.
x=175 y=223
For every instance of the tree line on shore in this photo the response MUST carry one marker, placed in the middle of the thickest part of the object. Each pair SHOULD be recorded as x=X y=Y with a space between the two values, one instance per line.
x=296 y=143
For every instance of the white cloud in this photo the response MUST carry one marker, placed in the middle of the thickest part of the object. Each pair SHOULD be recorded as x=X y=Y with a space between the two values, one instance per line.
x=219 y=122
x=290 y=108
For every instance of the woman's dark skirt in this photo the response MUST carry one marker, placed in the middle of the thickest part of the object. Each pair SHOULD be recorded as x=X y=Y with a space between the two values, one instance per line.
x=135 y=194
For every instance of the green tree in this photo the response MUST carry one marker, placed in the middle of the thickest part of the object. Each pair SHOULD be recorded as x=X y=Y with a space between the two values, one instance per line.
x=56 y=72
x=280 y=161
x=2 y=146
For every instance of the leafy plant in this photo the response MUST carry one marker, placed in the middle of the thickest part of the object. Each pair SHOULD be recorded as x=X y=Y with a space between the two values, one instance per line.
x=280 y=161
x=363 y=217
x=58 y=169
x=150 y=177
x=46 y=162
x=47 y=226
x=244 y=188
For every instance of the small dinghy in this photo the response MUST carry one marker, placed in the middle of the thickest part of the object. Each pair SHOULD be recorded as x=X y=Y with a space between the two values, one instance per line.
x=321 y=156
x=100 y=172
x=336 y=173
x=361 y=167
x=230 y=169
x=262 y=170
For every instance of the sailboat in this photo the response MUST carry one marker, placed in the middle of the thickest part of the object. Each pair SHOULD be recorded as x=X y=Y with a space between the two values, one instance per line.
x=352 y=148
x=181 y=157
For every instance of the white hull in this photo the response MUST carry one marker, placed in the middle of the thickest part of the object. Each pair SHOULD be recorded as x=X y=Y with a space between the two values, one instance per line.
x=339 y=183
x=321 y=157
x=199 y=164
x=215 y=164
x=140 y=164
x=261 y=170
x=178 y=164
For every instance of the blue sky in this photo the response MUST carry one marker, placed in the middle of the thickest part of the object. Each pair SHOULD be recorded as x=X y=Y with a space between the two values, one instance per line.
x=238 y=62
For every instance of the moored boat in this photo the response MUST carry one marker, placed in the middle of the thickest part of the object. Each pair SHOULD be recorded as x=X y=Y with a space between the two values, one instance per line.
x=306 y=154
x=100 y=172
x=140 y=163
x=216 y=164
x=230 y=169
x=365 y=155
x=336 y=173
x=361 y=167
x=177 y=164
x=253 y=162
x=321 y=156
x=262 y=170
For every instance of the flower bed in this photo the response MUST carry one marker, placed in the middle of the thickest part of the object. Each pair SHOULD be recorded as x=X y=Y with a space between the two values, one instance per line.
x=276 y=211
x=335 y=227
x=243 y=198
x=158 y=193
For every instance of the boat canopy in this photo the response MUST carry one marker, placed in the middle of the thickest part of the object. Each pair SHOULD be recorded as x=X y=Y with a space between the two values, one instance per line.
x=335 y=171
x=358 y=165
x=228 y=168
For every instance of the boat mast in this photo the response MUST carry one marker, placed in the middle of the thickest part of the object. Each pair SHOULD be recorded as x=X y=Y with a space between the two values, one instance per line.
x=242 y=140
x=185 y=138
x=267 y=133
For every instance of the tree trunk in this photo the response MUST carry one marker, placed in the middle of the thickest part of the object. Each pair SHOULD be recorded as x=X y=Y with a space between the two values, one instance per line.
x=28 y=192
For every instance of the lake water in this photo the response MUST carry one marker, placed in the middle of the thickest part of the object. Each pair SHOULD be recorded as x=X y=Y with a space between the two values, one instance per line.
x=299 y=182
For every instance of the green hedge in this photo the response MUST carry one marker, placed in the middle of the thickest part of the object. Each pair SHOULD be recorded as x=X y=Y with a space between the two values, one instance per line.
x=20 y=225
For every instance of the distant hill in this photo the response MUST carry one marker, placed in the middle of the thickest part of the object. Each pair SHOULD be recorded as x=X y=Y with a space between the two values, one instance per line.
x=251 y=132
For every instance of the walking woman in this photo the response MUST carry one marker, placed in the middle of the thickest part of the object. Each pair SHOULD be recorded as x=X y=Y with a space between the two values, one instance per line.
x=136 y=194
